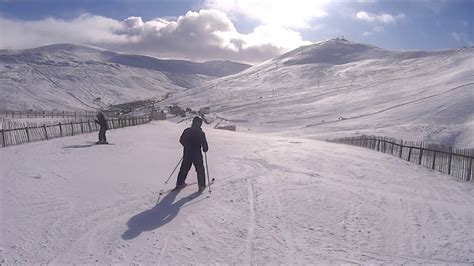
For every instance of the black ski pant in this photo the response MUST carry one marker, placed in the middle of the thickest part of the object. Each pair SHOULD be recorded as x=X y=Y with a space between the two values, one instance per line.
x=189 y=159
x=102 y=134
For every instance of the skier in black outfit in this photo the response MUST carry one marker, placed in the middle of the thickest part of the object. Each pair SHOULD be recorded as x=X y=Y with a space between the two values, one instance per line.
x=192 y=139
x=103 y=128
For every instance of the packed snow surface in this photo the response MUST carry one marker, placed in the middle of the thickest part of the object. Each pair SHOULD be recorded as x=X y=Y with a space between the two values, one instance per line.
x=338 y=88
x=275 y=200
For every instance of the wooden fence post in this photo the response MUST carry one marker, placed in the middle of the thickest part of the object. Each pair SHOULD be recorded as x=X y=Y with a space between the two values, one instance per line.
x=434 y=159
x=89 y=123
x=401 y=149
x=72 y=129
x=3 y=138
x=469 y=170
x=420 y=156
x=45 y=131
x=449 y=162
x=27 y=133
x=60 y=129
x=409 y=153
x=82 y=128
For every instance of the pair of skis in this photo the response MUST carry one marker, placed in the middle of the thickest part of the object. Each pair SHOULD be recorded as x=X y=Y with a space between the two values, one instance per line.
x=208 y=185
x=164 y=192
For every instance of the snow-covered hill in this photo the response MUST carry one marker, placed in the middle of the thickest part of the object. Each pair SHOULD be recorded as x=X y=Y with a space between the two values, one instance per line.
x=276 y=200
x=65 y=76
x=337 y=88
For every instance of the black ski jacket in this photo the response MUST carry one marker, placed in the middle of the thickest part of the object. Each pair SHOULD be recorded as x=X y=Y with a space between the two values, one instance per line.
x=102 y=121
x=192 y=139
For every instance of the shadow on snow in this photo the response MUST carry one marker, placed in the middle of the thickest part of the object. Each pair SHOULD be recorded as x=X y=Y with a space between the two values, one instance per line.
x=78 y=146
x=165 y=211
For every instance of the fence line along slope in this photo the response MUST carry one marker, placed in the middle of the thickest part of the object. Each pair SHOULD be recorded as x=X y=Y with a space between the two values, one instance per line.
x=452 y=161
x=21 y=133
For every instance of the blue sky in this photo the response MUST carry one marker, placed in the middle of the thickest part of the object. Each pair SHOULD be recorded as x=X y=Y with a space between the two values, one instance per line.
x=243 y=30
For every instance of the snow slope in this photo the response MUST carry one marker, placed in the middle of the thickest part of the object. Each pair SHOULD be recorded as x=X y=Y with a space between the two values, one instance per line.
x=66 y=76
x=276 y=200
x=339 y=88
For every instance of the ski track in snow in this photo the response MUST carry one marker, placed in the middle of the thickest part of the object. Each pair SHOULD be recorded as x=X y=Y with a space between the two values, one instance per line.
x=251 y=230
x=276 y=200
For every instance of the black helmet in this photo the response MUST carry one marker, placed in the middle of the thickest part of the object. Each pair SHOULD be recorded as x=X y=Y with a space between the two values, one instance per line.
x=197 y=122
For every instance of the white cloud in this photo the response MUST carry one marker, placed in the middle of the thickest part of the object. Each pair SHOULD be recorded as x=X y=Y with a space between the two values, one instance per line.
x=377 y=29
x=384 y=18
x=434 y=5
x=284 y=13
x=374 y=30
x=24 y=34
x=462 y=38
x=456 y=36
x=203 y=35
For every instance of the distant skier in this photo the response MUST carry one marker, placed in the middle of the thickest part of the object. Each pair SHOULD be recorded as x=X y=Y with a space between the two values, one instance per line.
x=102 y=121
x=193 y=139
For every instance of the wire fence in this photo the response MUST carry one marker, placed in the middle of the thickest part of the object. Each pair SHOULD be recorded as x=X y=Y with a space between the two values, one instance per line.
x=448 y=160
x=44 y=114
x=19 y=133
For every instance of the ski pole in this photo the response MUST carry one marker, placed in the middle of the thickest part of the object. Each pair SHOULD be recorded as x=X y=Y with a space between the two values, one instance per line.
x=207 y=171
x=166 y=182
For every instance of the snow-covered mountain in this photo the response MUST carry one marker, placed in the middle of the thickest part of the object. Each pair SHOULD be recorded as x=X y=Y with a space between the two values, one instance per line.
x=65 y=76
x=338 y=88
